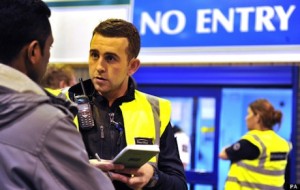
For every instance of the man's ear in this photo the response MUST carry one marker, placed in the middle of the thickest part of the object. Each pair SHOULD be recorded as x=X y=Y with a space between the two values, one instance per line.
x=34 y=52
x=134 y=64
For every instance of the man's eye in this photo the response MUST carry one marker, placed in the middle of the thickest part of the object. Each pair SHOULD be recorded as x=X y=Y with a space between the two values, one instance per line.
x=109 y=58
x=94 y=55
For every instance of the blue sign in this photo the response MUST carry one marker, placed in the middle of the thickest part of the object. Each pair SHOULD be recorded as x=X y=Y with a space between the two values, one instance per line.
x=196 y=23
x=66 y=3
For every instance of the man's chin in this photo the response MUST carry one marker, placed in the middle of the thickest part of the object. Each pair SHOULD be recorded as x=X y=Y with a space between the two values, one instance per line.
x=101 y=90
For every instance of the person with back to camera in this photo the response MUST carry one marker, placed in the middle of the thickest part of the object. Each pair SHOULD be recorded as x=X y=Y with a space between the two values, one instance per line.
x=40 y=146
x=259 y=159
x=125 y=116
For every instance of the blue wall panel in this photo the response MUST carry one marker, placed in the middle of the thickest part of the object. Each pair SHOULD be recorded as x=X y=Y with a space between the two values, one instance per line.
x=214 y=75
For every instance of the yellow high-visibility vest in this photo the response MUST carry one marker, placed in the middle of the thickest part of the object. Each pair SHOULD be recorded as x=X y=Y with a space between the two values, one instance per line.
x=267 y=171
x=55 y=92
x=146 y=117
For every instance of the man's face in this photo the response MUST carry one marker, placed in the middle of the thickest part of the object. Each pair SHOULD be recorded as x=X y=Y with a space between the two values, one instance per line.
x=109 y=67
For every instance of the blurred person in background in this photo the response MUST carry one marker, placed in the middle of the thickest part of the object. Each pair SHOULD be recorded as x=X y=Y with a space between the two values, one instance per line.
x=184 y=145
x=259 y=158
x=40 y=146
x=58 y=78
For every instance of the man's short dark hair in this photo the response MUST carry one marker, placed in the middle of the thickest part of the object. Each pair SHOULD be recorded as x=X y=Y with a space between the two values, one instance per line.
x=22 y=21
x=121 y=28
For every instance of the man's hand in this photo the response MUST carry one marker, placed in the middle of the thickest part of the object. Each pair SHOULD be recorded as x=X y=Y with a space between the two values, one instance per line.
x=134 y=178
x=106 y=165
x=223 y=154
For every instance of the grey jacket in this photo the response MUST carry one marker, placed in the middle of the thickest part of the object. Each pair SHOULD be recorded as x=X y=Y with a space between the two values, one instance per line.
x=40 y=147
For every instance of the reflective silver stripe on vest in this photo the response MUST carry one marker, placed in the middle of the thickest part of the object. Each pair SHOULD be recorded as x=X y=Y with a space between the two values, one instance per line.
x=154 y=102
x=253 y=185
x=261 y=170
x=263 y=156
x=262 y=161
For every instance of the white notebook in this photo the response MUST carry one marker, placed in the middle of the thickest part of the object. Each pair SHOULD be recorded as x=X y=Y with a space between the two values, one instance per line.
x=134 y=156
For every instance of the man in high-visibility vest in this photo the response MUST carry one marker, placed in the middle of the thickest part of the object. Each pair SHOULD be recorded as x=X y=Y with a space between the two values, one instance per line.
x=122 y=115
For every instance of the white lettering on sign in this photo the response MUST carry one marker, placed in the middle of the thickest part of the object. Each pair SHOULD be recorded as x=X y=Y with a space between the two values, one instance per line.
x=161 y=22
x=154 y=25
x=244 y=12
x=263 y=18
x=226 y=23
x=284 y=16
x=202 y=20
x=208 y=20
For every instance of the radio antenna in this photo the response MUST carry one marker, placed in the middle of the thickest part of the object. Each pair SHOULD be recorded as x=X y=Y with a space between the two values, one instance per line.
x=82 y=87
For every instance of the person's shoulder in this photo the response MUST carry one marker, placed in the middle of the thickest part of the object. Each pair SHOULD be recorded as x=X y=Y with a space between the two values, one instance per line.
x=48 y=113
x=42 y=111
x=34 y=124
x=252 y=133
x=151 y=96
x=181 y=135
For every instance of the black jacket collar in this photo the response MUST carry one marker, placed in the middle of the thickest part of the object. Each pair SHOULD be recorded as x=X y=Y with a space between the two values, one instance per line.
x=91 y=92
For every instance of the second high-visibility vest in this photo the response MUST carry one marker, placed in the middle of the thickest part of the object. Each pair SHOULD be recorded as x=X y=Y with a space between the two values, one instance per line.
x=266 y=172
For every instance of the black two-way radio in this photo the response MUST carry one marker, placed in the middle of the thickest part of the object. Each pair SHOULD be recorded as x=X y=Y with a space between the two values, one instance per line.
x=85 y=115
